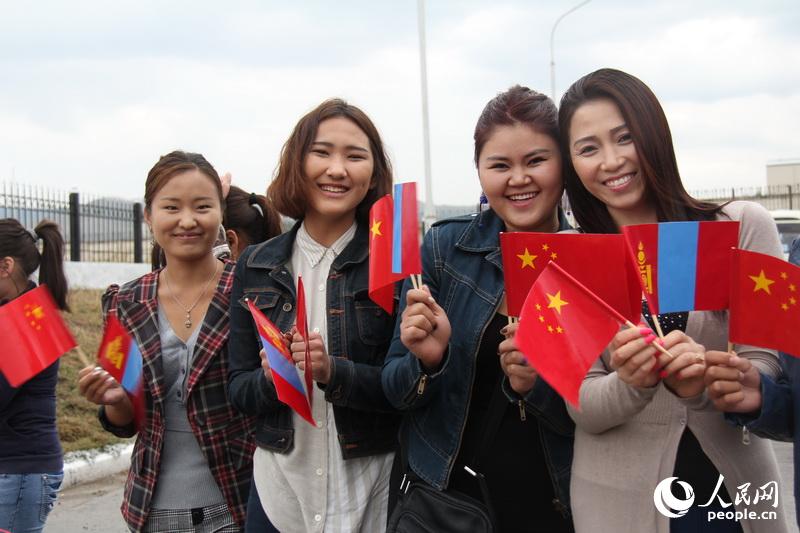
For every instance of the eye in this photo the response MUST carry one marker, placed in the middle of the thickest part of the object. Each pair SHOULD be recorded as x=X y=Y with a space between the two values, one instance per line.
x=625 y=138
x=356 y=157
x=536 y=160
x=205 y=206
x=170 y=207
x=587 y=150
x=319 y=151
x=498 y=166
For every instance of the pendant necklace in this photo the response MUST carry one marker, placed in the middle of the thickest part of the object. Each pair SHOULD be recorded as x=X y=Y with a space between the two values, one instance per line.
x=188 y=310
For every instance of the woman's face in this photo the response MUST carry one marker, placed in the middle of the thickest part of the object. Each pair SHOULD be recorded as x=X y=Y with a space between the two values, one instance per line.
x=520 y=172
x=605 y=158
x=185 y=216
x=339 y=167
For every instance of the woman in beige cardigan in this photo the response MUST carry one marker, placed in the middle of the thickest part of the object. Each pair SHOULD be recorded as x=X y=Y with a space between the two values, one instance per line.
x=643 y=418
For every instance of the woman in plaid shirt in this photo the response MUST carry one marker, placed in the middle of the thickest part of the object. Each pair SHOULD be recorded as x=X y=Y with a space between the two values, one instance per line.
x=191 y=465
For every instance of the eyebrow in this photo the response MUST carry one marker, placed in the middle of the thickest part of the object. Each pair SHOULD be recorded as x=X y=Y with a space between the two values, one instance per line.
x=348 y=147
x=176 y=199
x=590 y=137
x=529 y=154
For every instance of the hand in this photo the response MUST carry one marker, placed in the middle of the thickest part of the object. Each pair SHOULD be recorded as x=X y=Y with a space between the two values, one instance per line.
x=265 y=365
x=99 y=387
x=521 y=376
x=225 y=182
x=733 y=383
x=683 y=374
x=633 y=357
x=424 y=327
x=320 y=361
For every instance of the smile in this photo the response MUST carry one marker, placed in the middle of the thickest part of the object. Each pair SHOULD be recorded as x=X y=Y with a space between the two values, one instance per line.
x=521 y=197
x=335 y=189
x=618 y=182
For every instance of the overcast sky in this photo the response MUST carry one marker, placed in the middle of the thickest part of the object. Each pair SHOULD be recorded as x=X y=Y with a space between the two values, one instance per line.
x=91 y=93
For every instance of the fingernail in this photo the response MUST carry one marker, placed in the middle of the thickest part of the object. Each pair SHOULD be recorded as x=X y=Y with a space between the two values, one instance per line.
x=661 y=342
x=662 y=374
x=504 y=331
x=645 y=331
x=650 y=338
x=431 y=300
x=524 y=362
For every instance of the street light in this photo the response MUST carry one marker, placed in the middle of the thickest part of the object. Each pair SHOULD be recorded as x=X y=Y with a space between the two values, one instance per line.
x=552 y=57
x=429 y=216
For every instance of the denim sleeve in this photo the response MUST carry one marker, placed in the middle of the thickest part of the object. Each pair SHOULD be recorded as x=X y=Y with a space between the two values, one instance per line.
x=545 y=404
x=406 y=384
x=357 y=386
x=248 y=388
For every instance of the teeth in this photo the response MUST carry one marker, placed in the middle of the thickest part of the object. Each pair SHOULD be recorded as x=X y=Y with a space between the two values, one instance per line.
x=619 y=181
x=333 y=188
x=523 y=196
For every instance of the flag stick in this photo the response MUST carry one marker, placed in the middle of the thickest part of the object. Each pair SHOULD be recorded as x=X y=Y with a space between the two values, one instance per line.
x=657 y=324
x=656 y=345
x=82 y=356
x=730 y=347
x=414 y=281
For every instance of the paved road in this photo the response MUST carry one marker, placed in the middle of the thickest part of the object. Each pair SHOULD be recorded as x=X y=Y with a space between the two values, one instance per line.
x=95 y=506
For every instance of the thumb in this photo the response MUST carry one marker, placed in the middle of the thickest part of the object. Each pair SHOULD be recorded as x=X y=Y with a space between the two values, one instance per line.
x=741 y=363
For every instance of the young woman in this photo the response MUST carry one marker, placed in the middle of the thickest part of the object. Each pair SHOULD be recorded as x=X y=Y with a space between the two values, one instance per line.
x=333 y=476
x=443 y=366
x=644 y=418
x=31 y=461
x=248 y=220
x=191 y=464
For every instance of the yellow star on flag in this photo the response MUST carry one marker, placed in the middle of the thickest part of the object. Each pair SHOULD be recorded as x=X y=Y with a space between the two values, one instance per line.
x=762 y=282
x=541 y=318
x=554 y=256
x=784 y=276
x=792 y=287
x=792 y=301
x=376 y=228
x=556 y=302
x=784 y=307
x=538 y=307
x=550 y=329
x=527 y=259
x=559 y=329
x=545 y=247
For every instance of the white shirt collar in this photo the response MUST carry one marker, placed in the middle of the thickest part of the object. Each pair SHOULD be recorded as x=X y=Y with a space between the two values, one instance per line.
x=314 y=252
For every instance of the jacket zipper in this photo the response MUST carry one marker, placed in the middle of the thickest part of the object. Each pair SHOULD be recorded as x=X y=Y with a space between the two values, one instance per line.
x=471 y=385
x=522 y=415
x=423 y=380
x=745 y=436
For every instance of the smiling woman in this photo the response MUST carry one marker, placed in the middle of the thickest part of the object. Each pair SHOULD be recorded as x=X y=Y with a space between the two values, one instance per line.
x=333 y=476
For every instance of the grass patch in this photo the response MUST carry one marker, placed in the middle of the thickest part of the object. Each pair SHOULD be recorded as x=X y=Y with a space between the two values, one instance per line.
x=78 y=426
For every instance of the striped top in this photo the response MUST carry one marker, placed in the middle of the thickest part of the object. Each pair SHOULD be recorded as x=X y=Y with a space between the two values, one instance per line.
x=312 y=488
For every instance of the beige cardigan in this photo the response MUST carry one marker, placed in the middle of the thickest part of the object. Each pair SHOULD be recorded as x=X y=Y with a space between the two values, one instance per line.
x=626 y=438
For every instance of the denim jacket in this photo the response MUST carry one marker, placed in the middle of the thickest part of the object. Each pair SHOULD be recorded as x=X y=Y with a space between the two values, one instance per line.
x=359 y=332
x=461 y=264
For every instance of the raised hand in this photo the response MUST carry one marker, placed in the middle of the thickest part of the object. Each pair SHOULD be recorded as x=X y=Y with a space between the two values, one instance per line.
x=424 y=327
x=521 y=376
x=732 y=382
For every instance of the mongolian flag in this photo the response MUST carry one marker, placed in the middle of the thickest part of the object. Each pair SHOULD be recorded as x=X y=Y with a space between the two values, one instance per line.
x=302 y=328
x=381 y=278
x=119 y=355
x=683 y=266
x=405 y=242
x=598 y=261
x=33 y=335
x=764 y=308
x=287 y=381
x=563 y=328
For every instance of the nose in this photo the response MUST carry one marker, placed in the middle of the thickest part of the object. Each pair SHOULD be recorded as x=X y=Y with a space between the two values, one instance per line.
x=187 y=220
x=336 y=168
x=612 y=160
x=519 y=176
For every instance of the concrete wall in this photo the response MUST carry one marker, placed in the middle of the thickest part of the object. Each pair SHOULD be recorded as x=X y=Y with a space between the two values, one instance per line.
x=787 y=173
x=86 y=275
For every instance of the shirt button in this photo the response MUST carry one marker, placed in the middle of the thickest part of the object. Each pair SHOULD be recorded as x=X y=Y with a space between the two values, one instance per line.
x=287 y=307
x=683 y=421
x=316 y=330
x=321 y=286
x=183 y=370
x=317 y=517
x=319 y=471
x=319 y=424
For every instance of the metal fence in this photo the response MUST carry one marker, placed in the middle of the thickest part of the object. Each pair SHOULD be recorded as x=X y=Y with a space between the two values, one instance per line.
x=772 y=197
x=94 y=228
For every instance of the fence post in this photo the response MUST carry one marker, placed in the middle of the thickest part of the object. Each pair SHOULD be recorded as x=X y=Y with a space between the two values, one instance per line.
x=74 y=227
x=137 y=233
x=790 y=195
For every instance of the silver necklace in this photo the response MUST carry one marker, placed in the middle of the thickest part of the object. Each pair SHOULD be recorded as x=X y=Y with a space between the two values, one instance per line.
x=188 y=310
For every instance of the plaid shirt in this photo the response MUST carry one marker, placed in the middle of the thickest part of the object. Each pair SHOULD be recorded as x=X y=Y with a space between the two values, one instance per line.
x=225 y=436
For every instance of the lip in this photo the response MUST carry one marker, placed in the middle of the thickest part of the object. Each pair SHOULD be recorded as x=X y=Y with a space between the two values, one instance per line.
x=620 y=186
x=333 y=194
x=187 y=236
x=522 y=203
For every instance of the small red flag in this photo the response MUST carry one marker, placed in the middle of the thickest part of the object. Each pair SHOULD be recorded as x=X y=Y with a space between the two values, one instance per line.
x=563 y=329
x=598 y=261
x=381 y=278
x=33 y=335
x=302 y=328
x=764 y=308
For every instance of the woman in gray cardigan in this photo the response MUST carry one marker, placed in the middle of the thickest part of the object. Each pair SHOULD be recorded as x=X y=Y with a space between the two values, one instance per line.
x=644 y=419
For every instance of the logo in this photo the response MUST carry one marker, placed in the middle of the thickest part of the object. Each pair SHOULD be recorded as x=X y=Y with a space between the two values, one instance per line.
x=666 y=502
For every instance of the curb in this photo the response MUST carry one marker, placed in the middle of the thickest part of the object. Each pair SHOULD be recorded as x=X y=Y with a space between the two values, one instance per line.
x=90 y=465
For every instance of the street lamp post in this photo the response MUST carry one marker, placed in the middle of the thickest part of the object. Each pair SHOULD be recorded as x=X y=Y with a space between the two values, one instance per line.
x=552 y=56
x=429 y=215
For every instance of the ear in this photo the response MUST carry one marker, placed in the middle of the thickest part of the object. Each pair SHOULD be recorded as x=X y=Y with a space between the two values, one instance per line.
x=7 y=265
x=233 y=240
x=147 y=219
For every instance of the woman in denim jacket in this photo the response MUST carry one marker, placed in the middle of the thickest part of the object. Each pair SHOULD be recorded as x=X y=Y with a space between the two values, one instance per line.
x=335 y=476
x=443 y=366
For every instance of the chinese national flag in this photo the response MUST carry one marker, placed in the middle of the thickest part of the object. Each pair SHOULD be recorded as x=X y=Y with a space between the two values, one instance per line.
x=302 y=328
x=563 y=328
x=600 y=262
x=381 y=278
x=33 y=335
x=764 y=308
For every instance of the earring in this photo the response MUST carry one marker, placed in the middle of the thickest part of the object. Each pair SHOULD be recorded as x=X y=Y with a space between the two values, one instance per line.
x=483 y=202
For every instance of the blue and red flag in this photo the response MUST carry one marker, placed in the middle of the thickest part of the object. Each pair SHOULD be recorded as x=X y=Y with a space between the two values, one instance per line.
x=683 y=266
x=405 y=242
x=119 y=355
x=302 y=328
x=287 y=381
